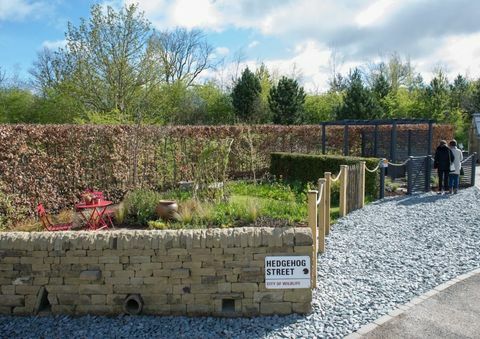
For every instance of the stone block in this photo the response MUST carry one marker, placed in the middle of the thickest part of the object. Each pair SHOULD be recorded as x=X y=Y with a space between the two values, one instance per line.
x=178 y=309
x=136 y=281
x=7 y=289
x=302 y=308
x=202 y=271
x=109 y=260
x=288 y=236
x=305 y=250
x=275 y=308
x=180 y=273
x=98 y=299
x=272 y=296
x=143 y=274
x=192 y=264
x=244 y=287
x=199 y=309
x=96 y=309
x=154 y=299
x=65 y=289
x=117 y=281
x=115 y=299
x=40 y=281
x=250 y=308
x=224 y=287
x=93 y=275
x=188 y=299
x=203 y=288
x=303 y=237
x=177 y=251
x=172 y=264
x=162 y=273
x=31 y=260
x=12 y=300
x=123 y=274
x=6 y=310
x=140 y=259
x=303 y=295
x=73 y=299
x=63 y=309
x=157 y=309
x=95 y=289
x=209 y=279
x=26 y=289
x=252 y=276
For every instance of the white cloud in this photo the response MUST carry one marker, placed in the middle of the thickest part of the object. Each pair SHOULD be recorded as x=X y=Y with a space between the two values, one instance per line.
x=222 y=50
x=456 y=54
x=375 y=12
x=53 y=45
x=253 y=44
x=18 y=10
x=358 y=30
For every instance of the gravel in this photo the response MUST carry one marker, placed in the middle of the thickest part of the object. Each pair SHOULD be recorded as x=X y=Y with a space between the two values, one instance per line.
x=376 y=258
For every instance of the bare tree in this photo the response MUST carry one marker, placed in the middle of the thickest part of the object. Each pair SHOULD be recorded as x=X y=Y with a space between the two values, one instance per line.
x=182 y=54
x=49 y=70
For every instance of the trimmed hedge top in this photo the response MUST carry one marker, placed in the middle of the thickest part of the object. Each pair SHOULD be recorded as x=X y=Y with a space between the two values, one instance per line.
x=311 y=167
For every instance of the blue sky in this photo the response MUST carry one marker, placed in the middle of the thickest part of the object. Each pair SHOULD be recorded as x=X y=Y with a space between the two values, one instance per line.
x=292 y=37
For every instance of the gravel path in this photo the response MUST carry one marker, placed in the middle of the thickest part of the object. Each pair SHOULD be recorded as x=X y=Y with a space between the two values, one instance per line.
x=376 y=258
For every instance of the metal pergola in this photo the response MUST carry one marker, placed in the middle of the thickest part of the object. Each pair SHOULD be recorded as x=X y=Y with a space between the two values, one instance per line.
x=393 y=132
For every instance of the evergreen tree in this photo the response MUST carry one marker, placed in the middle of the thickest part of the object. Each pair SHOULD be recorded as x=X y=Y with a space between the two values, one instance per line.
x=246 y=96
x=358 y=102
x=286 y=101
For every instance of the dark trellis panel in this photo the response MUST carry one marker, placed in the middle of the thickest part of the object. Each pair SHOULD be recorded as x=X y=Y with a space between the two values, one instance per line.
x=394 y=144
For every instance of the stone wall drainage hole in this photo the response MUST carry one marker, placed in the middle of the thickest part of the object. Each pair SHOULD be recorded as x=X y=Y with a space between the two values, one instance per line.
x=228 y=305
x=133 y=304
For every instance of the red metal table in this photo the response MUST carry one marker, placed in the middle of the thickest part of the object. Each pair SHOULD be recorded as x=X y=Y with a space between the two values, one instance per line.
x=95 y=220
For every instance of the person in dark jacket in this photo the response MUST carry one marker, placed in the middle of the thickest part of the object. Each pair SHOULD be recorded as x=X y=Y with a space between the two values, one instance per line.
x=443 y=158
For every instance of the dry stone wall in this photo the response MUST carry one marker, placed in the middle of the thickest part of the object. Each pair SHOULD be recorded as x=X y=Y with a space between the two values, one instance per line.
x=185 y=272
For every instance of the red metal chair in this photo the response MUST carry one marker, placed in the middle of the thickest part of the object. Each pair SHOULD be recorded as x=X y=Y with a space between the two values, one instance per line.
x=48 y=224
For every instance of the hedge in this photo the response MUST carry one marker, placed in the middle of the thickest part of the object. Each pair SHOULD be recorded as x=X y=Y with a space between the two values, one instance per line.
x=311 y=167
x=55 y=163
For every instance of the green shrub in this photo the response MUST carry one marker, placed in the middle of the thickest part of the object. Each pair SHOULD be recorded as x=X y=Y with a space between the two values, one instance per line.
x=140 y=206
x=311 y=167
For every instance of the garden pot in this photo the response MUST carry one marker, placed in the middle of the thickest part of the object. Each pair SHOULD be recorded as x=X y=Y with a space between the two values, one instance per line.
x=167 y=209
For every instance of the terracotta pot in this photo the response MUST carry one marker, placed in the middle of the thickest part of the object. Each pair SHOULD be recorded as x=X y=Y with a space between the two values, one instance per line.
x=166 y=209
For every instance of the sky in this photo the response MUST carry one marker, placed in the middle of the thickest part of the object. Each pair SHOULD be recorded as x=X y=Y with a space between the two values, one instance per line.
x=301 y=38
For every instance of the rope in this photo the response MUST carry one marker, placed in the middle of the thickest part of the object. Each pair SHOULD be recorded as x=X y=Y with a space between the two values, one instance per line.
x=375 y=169
x=320 y=195
x=398 y=165
x=338 y=177
x=465 y=160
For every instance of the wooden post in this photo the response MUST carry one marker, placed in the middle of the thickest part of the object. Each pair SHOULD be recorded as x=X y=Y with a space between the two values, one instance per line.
x=343 y=189
x=361 y=191
x=327 y=188
x=312 y=223
x=321 y=216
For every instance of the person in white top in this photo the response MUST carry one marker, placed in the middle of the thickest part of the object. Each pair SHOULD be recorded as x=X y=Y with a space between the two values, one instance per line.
x=454 y=176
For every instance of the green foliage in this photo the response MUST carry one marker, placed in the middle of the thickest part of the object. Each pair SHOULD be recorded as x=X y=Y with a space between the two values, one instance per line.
x=286 y=102
x=322 y=107
x=309 y=168
x=17 y=106
x=140 y=206
x=210 y=170
x=358 y=102
x=246 y=96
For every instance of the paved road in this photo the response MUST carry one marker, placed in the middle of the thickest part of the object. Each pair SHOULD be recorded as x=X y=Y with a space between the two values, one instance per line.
x=452 y=313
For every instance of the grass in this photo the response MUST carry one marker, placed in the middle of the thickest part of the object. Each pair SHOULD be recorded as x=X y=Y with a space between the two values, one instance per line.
x=247 y=202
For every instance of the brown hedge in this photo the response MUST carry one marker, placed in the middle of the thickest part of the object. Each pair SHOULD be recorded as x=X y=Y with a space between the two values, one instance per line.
x=55 y=163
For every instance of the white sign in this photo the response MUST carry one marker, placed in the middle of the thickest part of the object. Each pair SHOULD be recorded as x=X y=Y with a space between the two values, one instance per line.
x=287 y=272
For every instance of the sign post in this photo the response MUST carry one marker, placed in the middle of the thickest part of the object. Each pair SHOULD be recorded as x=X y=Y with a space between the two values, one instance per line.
x=283 y=272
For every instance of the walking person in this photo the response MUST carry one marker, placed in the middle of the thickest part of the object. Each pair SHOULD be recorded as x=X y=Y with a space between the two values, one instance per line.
x=442 y=160
x=454 y=176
